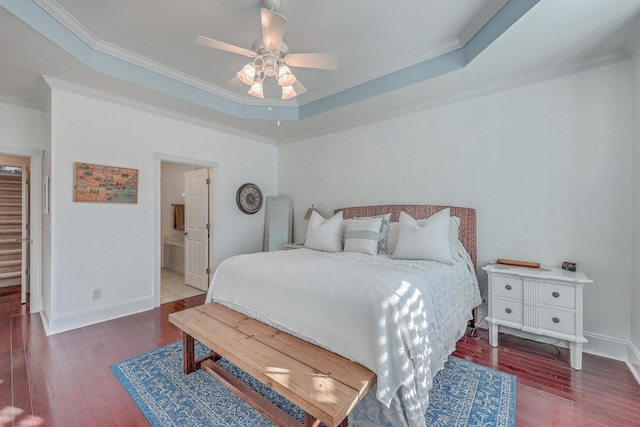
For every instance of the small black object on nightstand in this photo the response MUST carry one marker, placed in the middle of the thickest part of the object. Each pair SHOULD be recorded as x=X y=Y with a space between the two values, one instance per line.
x=569 y=266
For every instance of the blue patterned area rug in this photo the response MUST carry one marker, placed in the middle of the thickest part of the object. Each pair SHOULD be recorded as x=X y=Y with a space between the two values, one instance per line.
x=464 y=393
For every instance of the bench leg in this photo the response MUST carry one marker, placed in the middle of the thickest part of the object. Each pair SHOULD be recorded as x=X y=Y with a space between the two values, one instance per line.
x=189 y=353
x=311 y=421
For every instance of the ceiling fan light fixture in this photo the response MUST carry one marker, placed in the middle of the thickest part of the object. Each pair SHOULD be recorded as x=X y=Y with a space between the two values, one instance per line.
x=257 y=89
x=247 y=74
x=288 y=92
x=285 y=76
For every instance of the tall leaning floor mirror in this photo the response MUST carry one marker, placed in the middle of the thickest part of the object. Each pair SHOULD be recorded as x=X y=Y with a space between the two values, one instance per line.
x=278 y=222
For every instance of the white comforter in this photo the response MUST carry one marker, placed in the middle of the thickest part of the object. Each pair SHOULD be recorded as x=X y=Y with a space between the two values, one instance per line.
x=399 y=318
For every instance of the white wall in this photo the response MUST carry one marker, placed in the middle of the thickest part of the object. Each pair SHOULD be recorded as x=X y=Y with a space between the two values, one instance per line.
x=634 y=351
x=547 y=167
x=110 y=246
x=21 y=127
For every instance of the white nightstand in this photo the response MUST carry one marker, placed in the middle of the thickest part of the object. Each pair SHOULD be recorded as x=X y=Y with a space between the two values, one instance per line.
x=545 y=301
x=293 y=246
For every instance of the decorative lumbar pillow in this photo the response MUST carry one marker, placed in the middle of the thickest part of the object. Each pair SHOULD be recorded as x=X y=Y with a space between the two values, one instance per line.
x=384 y=230
x=427 y=239
x=324 y=234
x=362 y=235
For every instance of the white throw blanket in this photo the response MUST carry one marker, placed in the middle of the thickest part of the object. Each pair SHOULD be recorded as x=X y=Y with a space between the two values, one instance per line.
x=373 y=310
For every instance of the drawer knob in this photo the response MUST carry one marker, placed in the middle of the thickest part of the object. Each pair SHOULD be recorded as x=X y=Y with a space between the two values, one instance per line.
x=555 y=294
x=508 y=310
x=555 y=320
x=508 y=287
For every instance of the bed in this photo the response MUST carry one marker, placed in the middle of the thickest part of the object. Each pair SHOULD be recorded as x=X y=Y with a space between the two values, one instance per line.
x=400 y=318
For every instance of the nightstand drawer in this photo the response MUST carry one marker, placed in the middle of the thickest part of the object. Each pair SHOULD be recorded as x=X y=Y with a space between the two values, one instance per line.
x=510 y=287
x=508 y=310
x=557 y=320
x=552 y=294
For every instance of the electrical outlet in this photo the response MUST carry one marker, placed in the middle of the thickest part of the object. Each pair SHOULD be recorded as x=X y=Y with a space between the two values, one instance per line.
x=485 y=297
x=96 y=294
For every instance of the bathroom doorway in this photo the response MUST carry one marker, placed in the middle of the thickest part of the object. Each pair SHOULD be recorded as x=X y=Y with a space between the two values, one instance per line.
x=185 y=227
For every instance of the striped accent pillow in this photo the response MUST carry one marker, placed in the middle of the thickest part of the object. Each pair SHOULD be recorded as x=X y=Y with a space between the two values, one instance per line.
x=362 y=235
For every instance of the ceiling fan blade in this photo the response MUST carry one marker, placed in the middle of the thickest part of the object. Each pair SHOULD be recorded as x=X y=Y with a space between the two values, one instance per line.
x=324 y=61
x=299 y=87
x=206 y=41
x=272 y=28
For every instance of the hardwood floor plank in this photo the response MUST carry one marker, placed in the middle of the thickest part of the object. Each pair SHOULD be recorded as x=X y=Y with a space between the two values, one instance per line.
x=62 y=416
x=21 y=395
x=67 y=377
x=6 y=384
x=83 y=416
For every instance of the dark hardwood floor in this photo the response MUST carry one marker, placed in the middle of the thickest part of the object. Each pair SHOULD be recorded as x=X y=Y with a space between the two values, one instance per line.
x=64 y=380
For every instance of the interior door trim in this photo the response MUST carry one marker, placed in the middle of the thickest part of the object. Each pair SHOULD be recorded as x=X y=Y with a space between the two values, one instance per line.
x=158 y=158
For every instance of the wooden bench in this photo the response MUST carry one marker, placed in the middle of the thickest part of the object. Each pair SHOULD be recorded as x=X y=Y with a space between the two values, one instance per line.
x=324 y=385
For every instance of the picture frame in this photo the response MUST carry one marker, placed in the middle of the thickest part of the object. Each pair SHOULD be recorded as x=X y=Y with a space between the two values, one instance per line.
x=105 y=184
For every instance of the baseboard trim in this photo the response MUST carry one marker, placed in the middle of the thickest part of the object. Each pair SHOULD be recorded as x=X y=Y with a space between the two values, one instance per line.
x=57 y=324
x=633 y=361
x=598 y=345
x=601 y=345
x=45 y=321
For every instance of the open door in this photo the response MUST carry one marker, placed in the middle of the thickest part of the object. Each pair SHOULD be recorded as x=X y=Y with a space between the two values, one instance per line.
x=196 y=226
x=14 y=226
x=26 y=233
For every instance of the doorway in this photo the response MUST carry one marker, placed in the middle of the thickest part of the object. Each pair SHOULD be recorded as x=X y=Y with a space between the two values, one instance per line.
x=14 y=230
x=185 y=231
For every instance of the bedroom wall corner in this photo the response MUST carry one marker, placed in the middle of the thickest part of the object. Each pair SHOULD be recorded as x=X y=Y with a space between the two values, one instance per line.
x=111 y=246
x=634 y=301
x=547 y=167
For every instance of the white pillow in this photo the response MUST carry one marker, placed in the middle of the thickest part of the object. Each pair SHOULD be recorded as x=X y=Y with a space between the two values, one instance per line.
x=392 y=237
x=324 y=234
x=428 y=240
x=454 y=230
x=362 y=235
x=454 y=234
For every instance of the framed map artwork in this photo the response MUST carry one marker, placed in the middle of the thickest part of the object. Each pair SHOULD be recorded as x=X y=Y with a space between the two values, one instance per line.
x=104 y=184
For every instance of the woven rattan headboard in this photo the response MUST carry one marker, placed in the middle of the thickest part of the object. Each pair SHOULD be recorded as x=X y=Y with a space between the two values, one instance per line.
x=467 y=219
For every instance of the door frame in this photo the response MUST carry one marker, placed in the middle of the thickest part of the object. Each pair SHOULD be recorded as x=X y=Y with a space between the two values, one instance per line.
x=35 y=222
x=158 y=158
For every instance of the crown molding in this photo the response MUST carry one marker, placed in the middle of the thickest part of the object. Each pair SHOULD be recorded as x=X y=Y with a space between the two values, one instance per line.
x=120 y=63
x=66 y=19
x=479 y=21
x=12 y=100
x=550 y=73
x=75 y=89
x=84 y=34
x=632 y=43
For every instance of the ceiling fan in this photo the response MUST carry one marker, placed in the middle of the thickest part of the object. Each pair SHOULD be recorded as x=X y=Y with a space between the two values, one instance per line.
x=272 y=57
